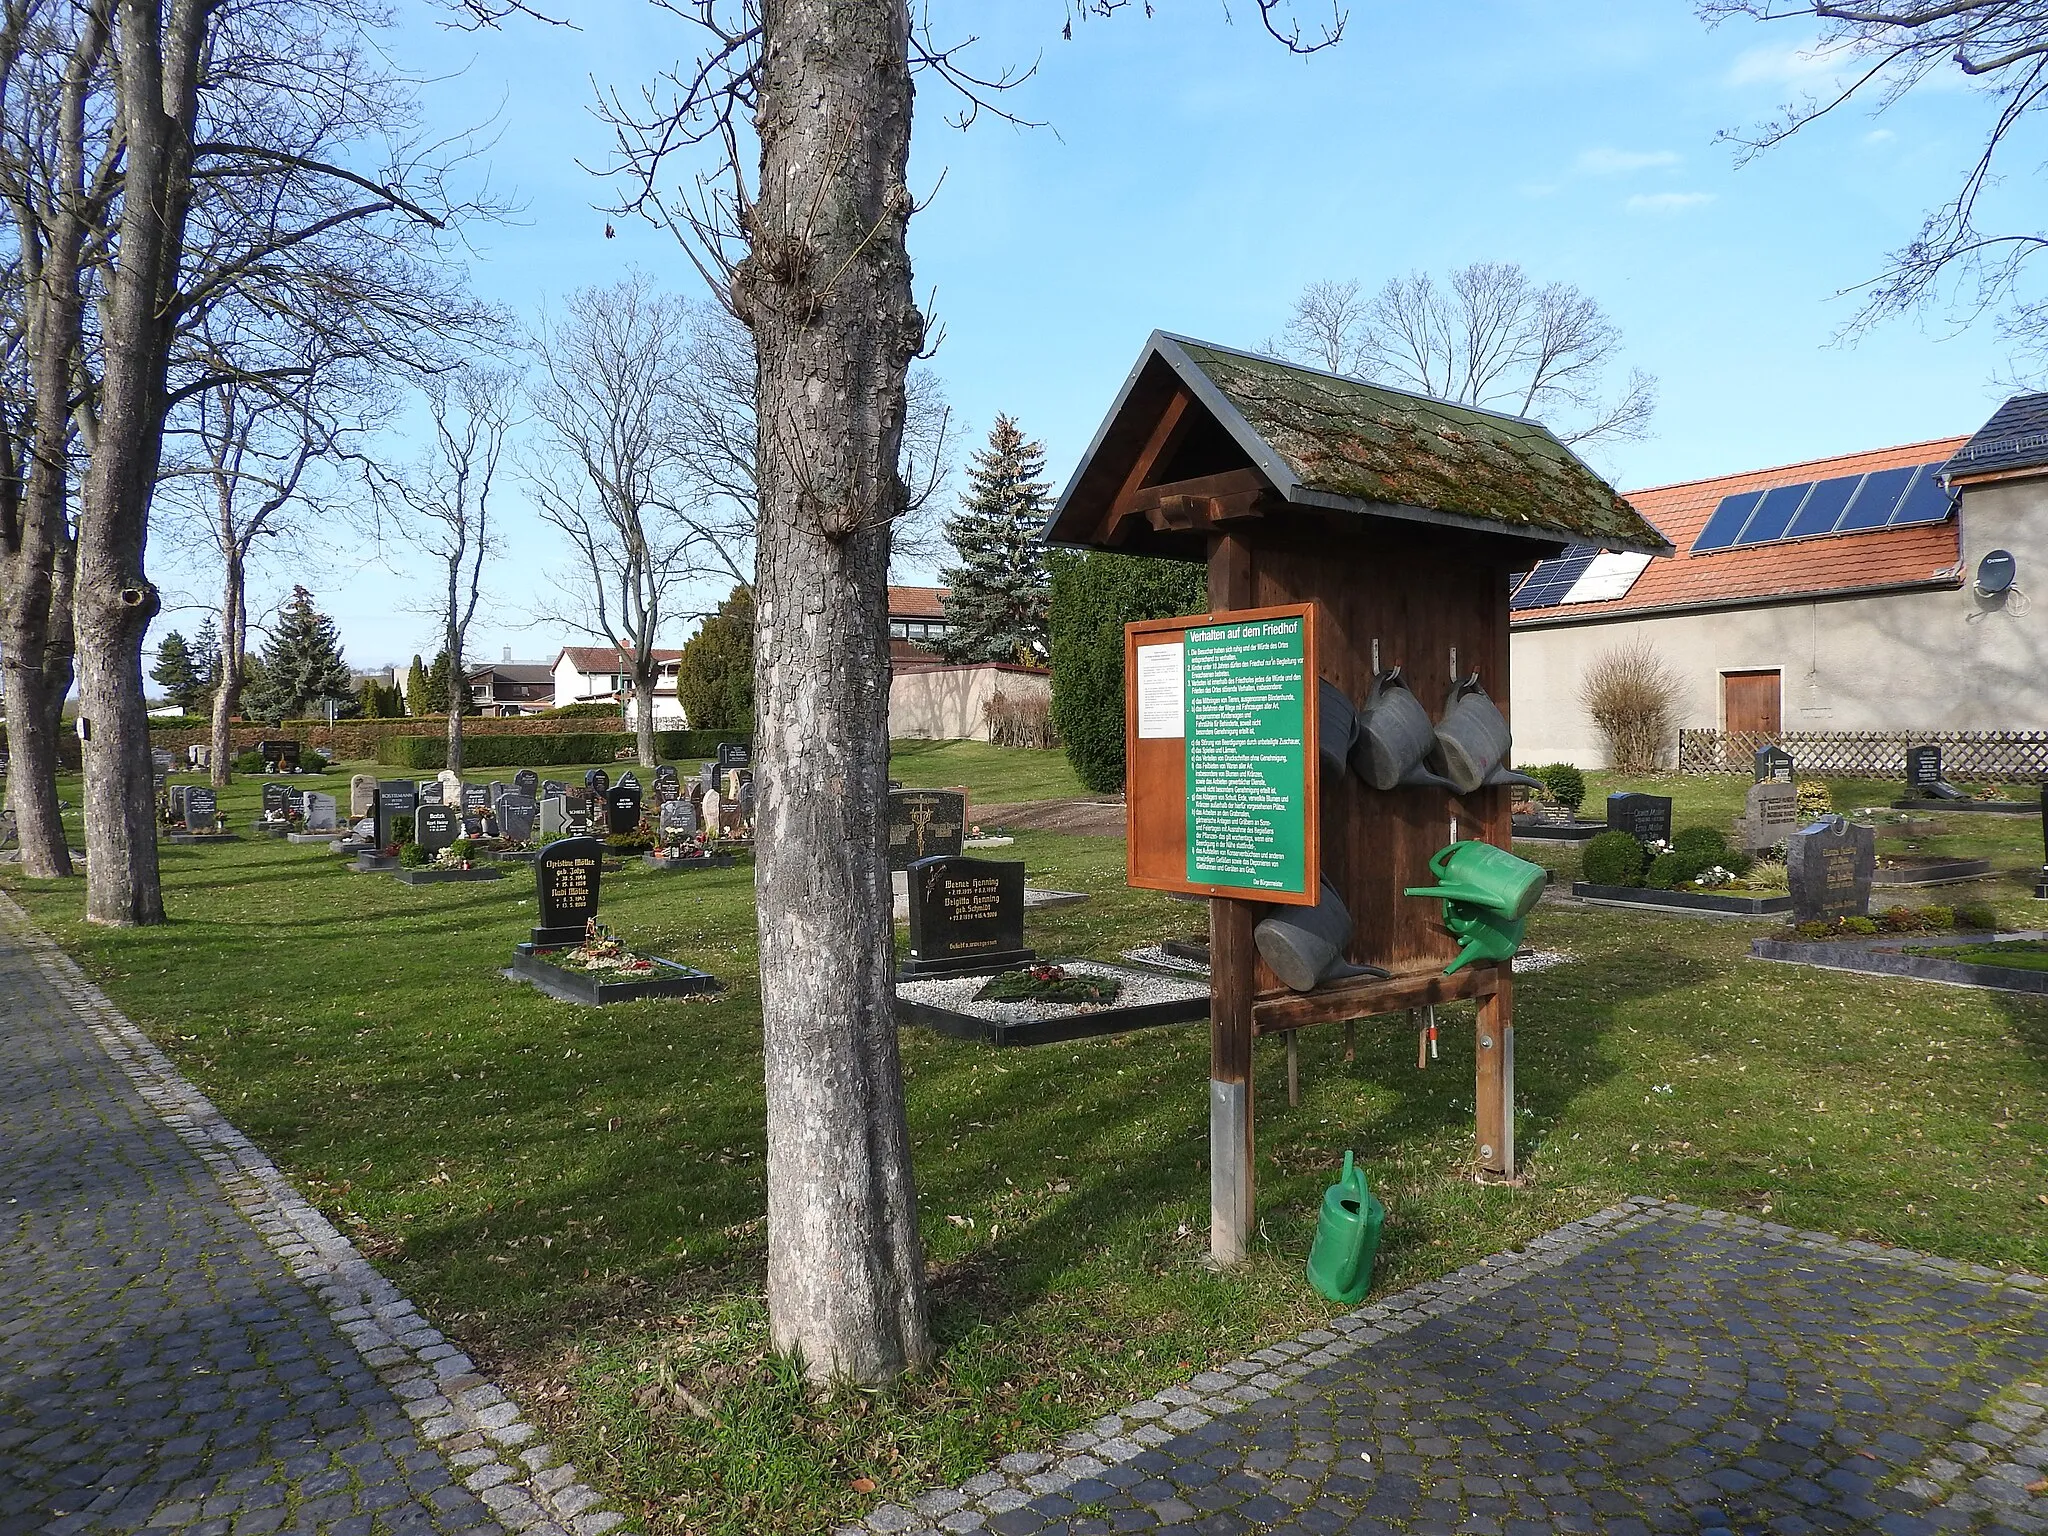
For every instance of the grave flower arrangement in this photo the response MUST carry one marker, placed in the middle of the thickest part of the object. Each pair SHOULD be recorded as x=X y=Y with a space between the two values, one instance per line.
x=1048 y=984
x=456 y=855
x=601 y=951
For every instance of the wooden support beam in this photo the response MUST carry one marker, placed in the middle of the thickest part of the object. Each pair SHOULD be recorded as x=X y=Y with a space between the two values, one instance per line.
x=1293 y=1070
x=1494 y=1084
x=1362 y=998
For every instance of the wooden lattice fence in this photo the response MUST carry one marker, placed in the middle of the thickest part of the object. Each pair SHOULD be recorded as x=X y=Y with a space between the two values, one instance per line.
x=2005 y=757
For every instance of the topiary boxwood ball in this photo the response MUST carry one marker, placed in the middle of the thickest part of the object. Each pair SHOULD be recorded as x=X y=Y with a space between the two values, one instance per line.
x=1613 y=858
x=1706 y=842
x=1674 y=870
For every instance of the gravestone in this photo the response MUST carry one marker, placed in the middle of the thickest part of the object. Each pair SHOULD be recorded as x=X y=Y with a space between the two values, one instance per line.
x=1831 y=862
x=707 y=775
x=1923 y=767
x=553 y=787
x=629 y=780
x=320 y=812
x=362 y=794
x=431 y=793
x=2041 y=880
x=276 y=797
x=552 y=817
x=395 y=798
x=1770 y=815
x=527 y=782
x=667 y=783
x=160 y=759
x=1646 y=817
x=1773 y=765
x=966 y=915
x=202 y=808
x=175 y=797
x=712 y=808
x=476 y=798
x=929 y=823
x=735 y=754
x=451 y=781
x=566 y=876
x=598 y=783
x=515 y=818
x=622 y=809
x=729 y=784
x=678 y=821
x=273 y=752
x=435 y=827
x=288 y=758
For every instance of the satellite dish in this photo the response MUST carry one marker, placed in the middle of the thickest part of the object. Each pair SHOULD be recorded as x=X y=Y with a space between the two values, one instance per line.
x=1995 y=573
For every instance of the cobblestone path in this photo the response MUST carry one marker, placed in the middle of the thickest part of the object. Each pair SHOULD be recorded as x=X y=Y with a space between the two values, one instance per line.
x=178 y=1348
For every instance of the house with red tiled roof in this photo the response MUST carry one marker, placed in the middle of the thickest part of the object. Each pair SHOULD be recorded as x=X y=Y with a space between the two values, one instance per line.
x=1843 y=594
x=917 y=623
x=586 y=674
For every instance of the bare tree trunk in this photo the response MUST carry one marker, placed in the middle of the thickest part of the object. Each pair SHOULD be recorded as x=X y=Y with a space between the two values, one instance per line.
x=826 y=289
x=458 y=691
x=227 y=693
x=643 y=716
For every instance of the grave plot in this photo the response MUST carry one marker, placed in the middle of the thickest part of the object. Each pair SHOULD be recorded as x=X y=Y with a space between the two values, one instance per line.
x=570 y=956
x=193 y=813
x=682 y=840
x=1641 y=862
x=1999 y=962
x=931 y=823
x=1928 y=790
x=439 y=853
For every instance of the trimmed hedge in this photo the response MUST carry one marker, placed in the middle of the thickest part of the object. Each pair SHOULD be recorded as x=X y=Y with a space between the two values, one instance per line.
x=538 y=751
x=1093 y=596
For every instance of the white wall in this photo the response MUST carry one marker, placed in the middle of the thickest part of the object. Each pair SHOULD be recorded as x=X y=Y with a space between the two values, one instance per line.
x=1923 y=660
x=947 y=703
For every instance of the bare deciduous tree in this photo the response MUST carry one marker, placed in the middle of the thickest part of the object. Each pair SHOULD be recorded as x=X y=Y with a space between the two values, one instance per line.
x=806 y=241
x=1488 y=336
x=444 y=501
x=1886 y=48
x=1634 y=697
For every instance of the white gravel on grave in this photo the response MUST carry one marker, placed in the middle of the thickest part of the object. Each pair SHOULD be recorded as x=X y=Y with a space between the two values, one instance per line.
x=956 y=994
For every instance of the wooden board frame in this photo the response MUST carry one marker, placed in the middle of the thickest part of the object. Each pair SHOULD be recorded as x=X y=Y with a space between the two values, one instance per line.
x=1155 y=780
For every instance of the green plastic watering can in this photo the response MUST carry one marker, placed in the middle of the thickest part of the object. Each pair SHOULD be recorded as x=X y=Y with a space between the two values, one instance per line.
x=1347 y=1237
x=1482 y=875
x=1481 y=934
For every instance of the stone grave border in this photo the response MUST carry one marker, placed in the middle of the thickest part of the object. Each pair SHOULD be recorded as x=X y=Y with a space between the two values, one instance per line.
x=1948 y=872
x=1081 y=1024
x=590 y=989
x=481 y=1434
x=672 y=866
x=424 y=876
x=1967 y=807
x=1685 y=903
x=1879 y=957
x=1527 y=831
x=1093 y=1454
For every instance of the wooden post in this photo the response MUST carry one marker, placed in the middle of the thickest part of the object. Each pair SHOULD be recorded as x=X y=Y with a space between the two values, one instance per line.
x=1494 y=1085
x=1233 y=970
x=1293 y=1069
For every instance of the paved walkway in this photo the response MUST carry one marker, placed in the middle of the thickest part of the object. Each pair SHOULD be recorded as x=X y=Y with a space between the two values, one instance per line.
x=185 y=1345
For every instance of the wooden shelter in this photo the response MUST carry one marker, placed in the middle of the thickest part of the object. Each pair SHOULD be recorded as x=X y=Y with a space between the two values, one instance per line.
x=1403 y=521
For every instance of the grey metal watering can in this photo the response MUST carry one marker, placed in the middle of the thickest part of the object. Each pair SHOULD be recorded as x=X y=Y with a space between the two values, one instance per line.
x=1336 y=725
x=1305 y=945
x=1394 y=736
x=1473 y=741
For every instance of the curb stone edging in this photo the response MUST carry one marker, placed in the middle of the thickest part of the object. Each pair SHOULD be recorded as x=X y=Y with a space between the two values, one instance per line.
x=1972 y=1481
x=478 y=1431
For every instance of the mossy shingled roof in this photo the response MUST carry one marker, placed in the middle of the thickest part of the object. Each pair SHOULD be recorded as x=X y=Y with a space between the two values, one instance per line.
x=1363 y=442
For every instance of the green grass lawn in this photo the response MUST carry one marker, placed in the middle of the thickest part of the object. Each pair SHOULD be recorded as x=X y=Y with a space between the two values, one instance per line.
x=576 y=1196
x=990 y=775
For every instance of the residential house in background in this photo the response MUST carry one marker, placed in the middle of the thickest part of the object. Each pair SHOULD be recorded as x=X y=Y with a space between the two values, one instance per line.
x=507 y=687
x=584 y=674
x=917 y=623
x=1883 y=591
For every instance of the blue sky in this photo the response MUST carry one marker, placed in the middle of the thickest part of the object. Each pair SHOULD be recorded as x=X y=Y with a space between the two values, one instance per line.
x=1193 y=176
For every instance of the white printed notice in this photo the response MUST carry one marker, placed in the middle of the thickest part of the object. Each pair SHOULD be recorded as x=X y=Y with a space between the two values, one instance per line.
x=1162 y=695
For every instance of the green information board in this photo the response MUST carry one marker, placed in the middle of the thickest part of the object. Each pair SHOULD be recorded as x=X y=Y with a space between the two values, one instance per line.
x=1246 y=690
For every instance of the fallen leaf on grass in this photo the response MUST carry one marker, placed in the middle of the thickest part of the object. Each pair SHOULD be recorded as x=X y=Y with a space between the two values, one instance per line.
x=2039 y=1485
x=862 y=1485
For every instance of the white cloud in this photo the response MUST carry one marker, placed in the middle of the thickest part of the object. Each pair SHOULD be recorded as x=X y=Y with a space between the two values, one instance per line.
x=1809 y=65
x=1879 y=136
x=1621 y=162
x=1667 y=202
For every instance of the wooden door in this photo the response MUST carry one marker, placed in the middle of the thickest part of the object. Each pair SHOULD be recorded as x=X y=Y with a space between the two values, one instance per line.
x=1750 y=703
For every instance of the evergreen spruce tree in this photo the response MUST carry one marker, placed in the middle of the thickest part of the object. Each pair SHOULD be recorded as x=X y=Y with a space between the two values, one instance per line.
x=206 y=659
x=416 y=689
x=442 y=690
x=302 y=665
x=997 y=597
x=715 y=676
x=174 y=672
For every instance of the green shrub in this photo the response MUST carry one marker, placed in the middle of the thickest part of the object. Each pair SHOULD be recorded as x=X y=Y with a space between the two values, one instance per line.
x=1674 y=870
x=1977 y=915
x=592 y=709
x=1814 y=799
x=401 y=830
x=312 y=761
x=1093 y=596
x=1707 y=843
x=1899 y=919
x=1567 y=786
x=250 y=761
x=538 y=750
x=1737 y=863
x=715 y=674
x=1813 y=928
x=1859 y=925
x=1613 y=858
x=629 y=842
x=1937 y=917
x=412 y=856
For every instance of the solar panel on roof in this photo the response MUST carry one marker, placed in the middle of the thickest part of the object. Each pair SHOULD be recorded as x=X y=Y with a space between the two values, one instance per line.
x=1884 y=498
x=1547 y=584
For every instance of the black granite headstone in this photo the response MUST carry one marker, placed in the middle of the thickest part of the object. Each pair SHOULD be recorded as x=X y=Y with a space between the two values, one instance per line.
x=1831 y=863
x=666 y=774
x=966 y=916
x=566 y=876
x=432 y=792
x=925 y=823
x=434 y=827
x=527 y=782
x=1773 y=765
x=178 y=792
x=622 y=809
x=202 y=808
x=629 y=780
x=552 y=787
x=275 y=798
x=1647 y=817
x=395 y=798
x=288 y=757
x=476 y=797
x=678 y=819
x=1923 y=767
x=515 y=817
x=598 y=782
x=735 y=754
